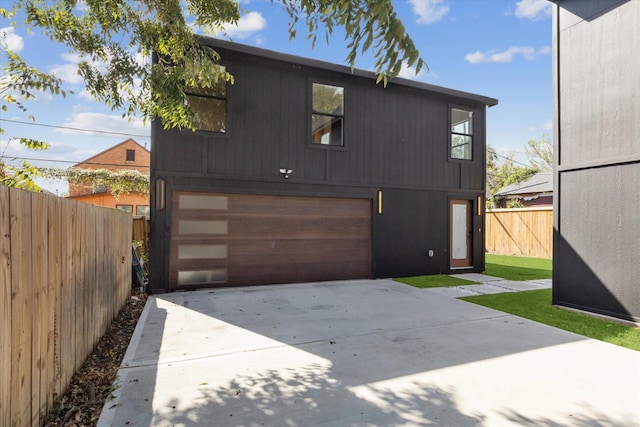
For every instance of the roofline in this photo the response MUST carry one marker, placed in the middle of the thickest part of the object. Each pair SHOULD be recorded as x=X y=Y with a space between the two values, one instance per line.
x=111 y=148
x=278 y=56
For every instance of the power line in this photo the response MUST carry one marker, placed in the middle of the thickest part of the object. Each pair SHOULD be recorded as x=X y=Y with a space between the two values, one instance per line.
x=75 y=163
x=74 y=128
x=512 y=160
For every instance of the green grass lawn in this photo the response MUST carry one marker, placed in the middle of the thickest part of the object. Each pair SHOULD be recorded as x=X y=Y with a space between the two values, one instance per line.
x=517 y=268
x=437 y=281
x=536 y=305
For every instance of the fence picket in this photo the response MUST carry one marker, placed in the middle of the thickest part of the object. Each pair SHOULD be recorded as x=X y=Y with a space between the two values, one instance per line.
x=522 y=232
x=5 y=309
x=59 y=290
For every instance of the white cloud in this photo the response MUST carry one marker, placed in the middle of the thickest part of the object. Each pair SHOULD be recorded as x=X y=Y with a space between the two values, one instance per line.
x=547 y=126
x=103 y=123
x=68 y=73
x=247 y=25
x=533 y=9
x=409 y=72
x=10 y=40
x=527 y=52
x=429 y=11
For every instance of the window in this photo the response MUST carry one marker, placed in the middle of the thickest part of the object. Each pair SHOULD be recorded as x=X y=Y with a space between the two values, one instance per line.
x=461 y=134
x=131 y=155
x=327 y=115
x=101 y=188
x=210 y=106
x=126 y=208
x=143 y=210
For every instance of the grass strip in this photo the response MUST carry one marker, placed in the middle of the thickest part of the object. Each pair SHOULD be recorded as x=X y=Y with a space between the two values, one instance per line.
x=437 y=281
x=536 y=305
x=517 y=268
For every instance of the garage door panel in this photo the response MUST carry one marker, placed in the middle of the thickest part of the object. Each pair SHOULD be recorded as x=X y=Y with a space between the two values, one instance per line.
x=300 y=272
x=296 y=206
x=271 y=227
x=306 y=250
x=240 y=239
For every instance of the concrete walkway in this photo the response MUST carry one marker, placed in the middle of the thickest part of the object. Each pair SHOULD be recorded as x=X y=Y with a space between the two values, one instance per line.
x=363 y=353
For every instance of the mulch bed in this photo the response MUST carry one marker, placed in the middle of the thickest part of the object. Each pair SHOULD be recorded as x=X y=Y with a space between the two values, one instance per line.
x=92 y=385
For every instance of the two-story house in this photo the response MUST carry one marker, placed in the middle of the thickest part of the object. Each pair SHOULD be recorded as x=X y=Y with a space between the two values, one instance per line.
x=125 y=155
x=306 y=171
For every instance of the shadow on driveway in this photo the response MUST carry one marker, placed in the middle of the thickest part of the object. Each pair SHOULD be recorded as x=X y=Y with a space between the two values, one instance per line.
x=362 y=353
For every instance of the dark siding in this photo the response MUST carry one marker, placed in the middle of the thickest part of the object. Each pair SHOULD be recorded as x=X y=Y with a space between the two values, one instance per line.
x=396 y=138
x=597 y=180
x=598 y=252
x=405 y=232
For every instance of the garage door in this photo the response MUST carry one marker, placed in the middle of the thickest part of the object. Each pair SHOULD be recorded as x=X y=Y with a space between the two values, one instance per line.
x=222 y=239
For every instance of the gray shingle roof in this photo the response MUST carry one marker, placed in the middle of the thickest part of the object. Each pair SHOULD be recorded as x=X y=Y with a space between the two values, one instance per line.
x=542 y=182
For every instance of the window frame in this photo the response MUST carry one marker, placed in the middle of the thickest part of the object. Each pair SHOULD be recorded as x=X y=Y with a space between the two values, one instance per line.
x=312 y=112
x=133 y=155
x=120 y=206
x=225 y=99
x=451 y=133
x=147 y=215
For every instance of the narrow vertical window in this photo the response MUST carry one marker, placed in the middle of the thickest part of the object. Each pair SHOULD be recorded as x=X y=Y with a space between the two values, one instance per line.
x=327 y=115
x=131 y=155
x=210 y=105
x=461 y=134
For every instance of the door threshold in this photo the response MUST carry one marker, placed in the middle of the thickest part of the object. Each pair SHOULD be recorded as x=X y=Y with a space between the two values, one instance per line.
x=461 y=268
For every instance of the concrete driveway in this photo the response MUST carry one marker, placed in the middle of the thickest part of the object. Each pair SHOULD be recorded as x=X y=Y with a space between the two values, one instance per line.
x=362 y=353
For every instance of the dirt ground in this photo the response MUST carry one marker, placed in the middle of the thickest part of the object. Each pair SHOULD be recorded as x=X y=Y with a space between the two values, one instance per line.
x=92 y=385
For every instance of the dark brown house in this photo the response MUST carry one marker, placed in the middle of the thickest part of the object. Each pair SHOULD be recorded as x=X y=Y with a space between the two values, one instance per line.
x=304 y=171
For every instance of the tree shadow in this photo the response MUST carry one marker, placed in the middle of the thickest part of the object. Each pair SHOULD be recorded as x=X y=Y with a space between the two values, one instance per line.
x=333 y=354
x=309 y=395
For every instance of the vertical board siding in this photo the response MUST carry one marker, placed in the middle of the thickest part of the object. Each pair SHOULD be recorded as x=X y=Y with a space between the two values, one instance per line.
x=65 y=272
x=522 y=232
x=393 y=136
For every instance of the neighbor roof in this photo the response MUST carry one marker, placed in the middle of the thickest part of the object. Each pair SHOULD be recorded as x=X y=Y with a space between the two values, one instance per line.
x=236 y=47
x=542 y=182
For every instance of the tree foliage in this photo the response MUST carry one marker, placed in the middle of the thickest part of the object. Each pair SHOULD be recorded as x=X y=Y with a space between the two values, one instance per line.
x=503 y=171
x=24 y=175
x=112 y=35
x=540 y=153
x=116 y=182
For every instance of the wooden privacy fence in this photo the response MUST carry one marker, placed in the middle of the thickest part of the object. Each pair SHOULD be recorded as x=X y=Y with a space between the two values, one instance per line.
x=140 y=232
x=65 y=272
x=523 y=232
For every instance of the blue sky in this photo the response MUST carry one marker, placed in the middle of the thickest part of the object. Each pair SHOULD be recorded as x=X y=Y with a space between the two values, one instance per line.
x=496 y=48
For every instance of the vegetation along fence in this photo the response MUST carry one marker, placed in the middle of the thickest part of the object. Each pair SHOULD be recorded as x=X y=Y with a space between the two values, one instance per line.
x=523 y=232
x=65 y=272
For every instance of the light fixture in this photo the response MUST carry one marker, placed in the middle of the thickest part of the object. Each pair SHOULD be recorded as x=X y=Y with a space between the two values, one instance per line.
x=285 y=172
x=160 y=194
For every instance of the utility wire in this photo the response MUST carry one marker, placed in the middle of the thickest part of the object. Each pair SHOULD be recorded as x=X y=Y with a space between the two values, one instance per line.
x=75 y=163
x=74 y=128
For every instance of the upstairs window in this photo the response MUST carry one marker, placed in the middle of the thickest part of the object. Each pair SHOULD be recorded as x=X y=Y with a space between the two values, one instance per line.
x=327 y=115
x=210 y=106
x=131 y=155
x=461 y=134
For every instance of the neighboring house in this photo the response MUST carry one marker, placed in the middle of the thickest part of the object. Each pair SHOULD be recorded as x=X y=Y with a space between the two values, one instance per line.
x=596 y=260
x=126 y=155
x=304 y=171
x=536 y=190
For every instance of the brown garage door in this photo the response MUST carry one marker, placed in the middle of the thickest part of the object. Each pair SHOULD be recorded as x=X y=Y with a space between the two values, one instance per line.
x=243 y=239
